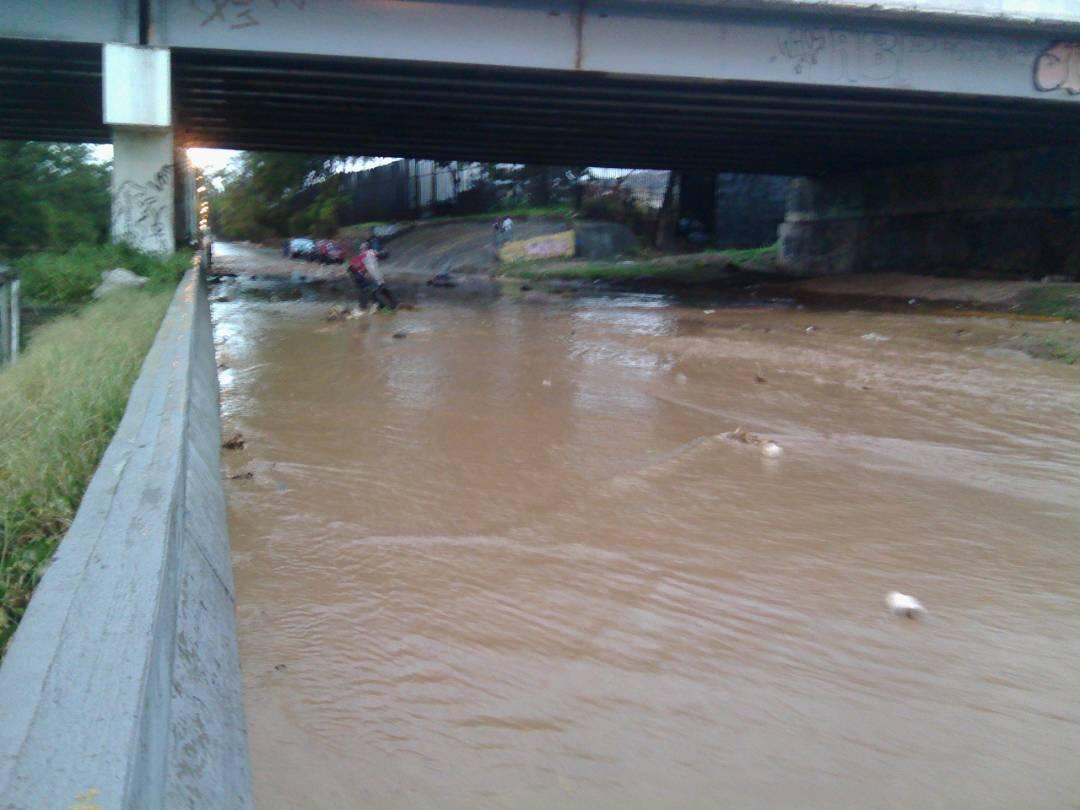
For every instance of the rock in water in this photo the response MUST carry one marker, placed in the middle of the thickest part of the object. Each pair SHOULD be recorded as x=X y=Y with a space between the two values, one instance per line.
x=235 y=442
x=118 y=279
x=900 y=604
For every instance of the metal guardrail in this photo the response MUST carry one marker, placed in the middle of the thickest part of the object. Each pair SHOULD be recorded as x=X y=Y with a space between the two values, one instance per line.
x=9 y=315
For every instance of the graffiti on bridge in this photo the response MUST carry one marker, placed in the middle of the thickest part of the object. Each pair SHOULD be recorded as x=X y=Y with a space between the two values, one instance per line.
x=875 y=56
x=237 y=14
x=1058 y=68
x=141 y=211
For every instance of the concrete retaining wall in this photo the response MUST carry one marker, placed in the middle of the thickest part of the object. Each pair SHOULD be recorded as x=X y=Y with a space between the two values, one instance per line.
x=603 y=240
x=1015 y=213
x=121 y=688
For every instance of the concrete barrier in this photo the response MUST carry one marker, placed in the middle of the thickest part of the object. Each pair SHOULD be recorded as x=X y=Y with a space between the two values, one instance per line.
x=121 y=688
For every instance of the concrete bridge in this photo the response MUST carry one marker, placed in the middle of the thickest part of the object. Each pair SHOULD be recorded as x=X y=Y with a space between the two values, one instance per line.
x=944 y=133
x=836 y=91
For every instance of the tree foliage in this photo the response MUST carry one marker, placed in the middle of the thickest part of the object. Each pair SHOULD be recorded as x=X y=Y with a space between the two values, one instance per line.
x=255 y=197
x=54 y=196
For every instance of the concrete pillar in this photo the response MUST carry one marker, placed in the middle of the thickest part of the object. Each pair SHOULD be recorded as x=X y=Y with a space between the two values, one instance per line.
x=138 y=107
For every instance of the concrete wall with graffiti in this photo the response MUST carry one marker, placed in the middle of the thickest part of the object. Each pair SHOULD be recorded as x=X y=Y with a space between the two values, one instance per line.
x=143 y=201
x=549 y=246
x=1058 y=69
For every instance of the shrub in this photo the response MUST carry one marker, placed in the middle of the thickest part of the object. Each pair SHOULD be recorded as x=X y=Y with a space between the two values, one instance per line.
x=69 y=278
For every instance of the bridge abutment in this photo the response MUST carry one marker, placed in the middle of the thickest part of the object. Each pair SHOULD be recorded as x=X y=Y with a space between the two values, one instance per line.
x=1007 y=213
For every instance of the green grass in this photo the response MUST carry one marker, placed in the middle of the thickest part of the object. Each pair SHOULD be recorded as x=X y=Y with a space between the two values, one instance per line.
x=744 y=255
x=694 y=268
x=1059 y=348
x=59 y=405
x=1055 y=301
x=57 y=279
x=362 y=230
x=521 y=212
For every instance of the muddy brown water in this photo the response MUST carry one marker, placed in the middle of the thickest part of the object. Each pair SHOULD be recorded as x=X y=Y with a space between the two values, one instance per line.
x=508 y=562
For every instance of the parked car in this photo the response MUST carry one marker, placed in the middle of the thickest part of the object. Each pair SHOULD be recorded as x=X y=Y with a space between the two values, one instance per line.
x=329 y=251
x=302 y=248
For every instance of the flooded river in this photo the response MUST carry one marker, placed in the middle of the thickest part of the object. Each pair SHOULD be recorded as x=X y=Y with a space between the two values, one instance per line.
x=509 y=561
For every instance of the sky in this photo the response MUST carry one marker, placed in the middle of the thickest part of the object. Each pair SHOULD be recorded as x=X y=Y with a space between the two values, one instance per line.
x=209 y=160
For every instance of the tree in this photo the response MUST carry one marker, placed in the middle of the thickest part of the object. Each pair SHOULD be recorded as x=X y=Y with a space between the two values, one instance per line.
x=257 y=195
x=54 y=196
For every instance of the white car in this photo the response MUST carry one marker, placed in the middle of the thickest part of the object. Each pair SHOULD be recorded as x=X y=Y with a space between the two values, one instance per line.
x=301 y=248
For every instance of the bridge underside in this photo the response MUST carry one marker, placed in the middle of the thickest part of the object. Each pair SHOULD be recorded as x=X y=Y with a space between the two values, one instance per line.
x=52 y=91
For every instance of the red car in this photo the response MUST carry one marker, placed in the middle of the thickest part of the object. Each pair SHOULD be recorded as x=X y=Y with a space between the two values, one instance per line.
x=328 y=251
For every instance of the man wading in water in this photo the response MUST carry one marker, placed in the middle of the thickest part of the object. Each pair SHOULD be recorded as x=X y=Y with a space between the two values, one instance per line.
x=369 y=280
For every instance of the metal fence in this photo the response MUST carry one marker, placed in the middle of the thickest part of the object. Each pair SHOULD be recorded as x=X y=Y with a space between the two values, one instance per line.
x=9 y=315
x=405 y=189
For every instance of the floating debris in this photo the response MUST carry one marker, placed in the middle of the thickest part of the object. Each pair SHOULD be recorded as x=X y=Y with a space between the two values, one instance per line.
x=810 y=329
x=903 y=605
x=235 y=442
x=546 y=383
x=708 y=311
x=874 y=337
x=401 y=335
x=771 y=450
x=244 y=476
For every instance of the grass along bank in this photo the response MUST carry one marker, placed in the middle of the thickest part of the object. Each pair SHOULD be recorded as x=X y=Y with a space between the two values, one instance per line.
x=66 y=279
x=1054 y=300
x=682 y=270
x=364 y=230
x=60 y=405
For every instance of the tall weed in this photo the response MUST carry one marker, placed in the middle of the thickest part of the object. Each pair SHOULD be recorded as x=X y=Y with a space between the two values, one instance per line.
x=59 y=406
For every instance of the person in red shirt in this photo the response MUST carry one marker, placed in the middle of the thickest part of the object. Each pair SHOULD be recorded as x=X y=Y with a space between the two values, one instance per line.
x=369 y=280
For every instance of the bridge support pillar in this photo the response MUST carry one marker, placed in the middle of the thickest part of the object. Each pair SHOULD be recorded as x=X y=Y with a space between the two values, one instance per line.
x=138 y=106
x=1014 y=213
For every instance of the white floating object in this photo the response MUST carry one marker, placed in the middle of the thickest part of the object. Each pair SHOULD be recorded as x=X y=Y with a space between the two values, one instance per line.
x=547 y=383
x=708 y=311
x=903 y=605
x=875 y=337
x=810 y=329
x=771 y=450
